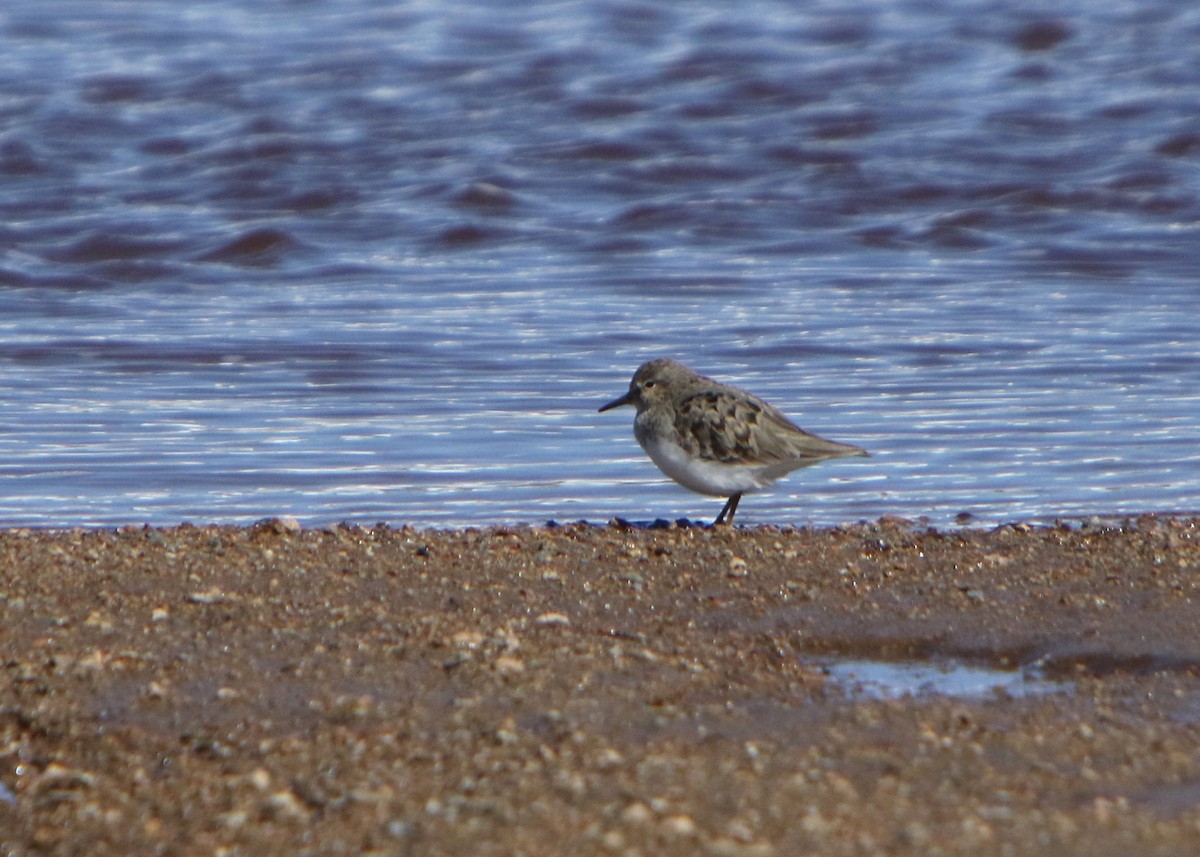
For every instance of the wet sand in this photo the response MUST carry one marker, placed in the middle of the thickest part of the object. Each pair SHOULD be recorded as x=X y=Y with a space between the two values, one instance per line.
x=595 y=690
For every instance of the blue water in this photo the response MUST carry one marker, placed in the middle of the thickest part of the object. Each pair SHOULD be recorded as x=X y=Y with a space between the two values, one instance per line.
x=375 y=260
x=901 y=679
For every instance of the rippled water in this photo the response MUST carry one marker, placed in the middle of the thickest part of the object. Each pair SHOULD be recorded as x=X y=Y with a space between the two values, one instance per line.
x=382 y=261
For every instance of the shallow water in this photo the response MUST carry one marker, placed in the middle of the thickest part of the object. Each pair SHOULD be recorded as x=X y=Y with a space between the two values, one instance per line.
x=381 y=261
x=901 y=679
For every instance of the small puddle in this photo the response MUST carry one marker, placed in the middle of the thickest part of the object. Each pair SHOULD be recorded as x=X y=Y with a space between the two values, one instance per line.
x=898 y=679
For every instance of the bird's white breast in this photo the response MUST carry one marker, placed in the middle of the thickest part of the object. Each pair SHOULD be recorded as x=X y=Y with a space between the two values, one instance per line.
x=704 y=477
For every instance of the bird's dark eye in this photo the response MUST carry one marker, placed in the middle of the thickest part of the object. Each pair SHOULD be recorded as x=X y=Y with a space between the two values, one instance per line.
x=648 y=385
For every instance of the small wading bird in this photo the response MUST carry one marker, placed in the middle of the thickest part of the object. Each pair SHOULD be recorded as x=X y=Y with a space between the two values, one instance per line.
x=715 y=439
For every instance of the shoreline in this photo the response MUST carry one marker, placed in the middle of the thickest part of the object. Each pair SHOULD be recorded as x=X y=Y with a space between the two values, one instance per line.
x=606 y=689
x=961 y=520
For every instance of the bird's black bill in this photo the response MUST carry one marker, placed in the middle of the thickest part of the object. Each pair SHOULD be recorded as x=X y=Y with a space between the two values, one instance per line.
x=616 y=403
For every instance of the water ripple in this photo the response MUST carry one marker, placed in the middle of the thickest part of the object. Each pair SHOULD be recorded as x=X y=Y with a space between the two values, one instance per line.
x=360 y=261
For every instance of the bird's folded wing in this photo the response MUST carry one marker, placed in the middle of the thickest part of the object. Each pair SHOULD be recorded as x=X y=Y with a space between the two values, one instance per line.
x=718 y=426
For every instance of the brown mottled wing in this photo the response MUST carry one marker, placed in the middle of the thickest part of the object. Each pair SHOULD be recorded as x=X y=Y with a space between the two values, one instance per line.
x=722 y=426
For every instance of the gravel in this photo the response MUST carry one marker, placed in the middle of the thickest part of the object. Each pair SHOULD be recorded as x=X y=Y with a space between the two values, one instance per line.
x=612 y=690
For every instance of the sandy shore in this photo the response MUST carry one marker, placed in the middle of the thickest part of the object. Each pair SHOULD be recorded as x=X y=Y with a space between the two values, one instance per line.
x=595 y=690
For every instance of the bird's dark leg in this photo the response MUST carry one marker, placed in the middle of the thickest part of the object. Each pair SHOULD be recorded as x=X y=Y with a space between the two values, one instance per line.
x=730 y=508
